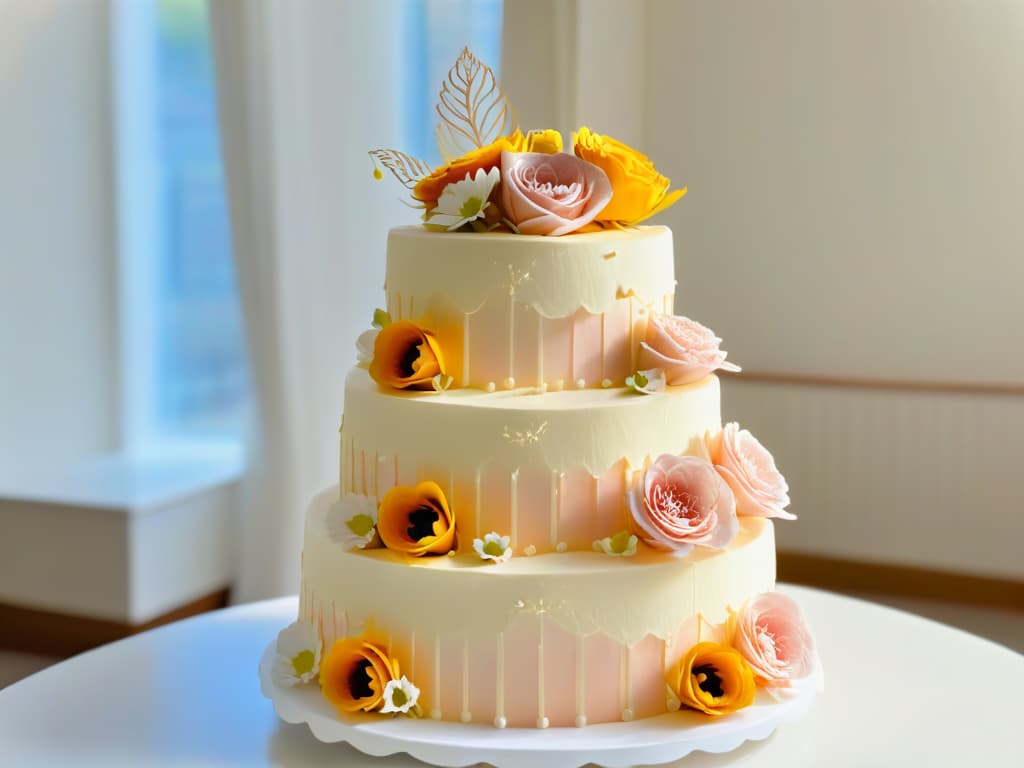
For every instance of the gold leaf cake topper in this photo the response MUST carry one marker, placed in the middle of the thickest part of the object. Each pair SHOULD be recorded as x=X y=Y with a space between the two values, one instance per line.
x=496 y=178
x=473 y=110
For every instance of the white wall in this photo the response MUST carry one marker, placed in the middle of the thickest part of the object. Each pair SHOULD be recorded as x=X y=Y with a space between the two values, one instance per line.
x=855 y=213
x=58 y=374
x=854 y=167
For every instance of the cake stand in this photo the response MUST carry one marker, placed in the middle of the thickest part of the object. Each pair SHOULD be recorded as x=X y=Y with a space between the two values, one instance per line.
x=647 y=741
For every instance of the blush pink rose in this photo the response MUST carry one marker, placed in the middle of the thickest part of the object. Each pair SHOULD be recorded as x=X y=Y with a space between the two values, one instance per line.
x=555 y=194
x=686 y=350
x=680 y=502
x=749 y=469
x=771 y=634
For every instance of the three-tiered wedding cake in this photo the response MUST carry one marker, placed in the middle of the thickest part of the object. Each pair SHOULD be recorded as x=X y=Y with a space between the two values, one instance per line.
x=540 y=519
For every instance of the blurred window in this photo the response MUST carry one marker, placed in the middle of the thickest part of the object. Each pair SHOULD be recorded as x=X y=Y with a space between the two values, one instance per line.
x=433 y=33
x=201 y=384
x=185 y=365
x=184 y=373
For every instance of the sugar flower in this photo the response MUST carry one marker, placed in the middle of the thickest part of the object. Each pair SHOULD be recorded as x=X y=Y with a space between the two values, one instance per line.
x=493 y=547
x=400 y=696
x=429 y=189
x=364 y=347
x=352 y=521
x=406 y=356
x=713 y=679
x=770 y=632
x=679 y=502
x=622 y=544
x=686 y=350
x=551 y=194
x=417 y=520
x=749 y=469
x=638 y=190
x=298 y=654
x=647 y=382
x=354 y=674
x=464 y=201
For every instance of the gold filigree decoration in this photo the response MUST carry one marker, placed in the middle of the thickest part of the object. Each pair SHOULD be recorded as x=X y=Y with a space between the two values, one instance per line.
x=525 y=437
x=406 y=168
x=538 y=607
x=516 y=277
x=473 y=110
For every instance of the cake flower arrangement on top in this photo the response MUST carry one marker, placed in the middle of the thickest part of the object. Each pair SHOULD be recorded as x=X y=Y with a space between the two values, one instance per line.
x=495 y=177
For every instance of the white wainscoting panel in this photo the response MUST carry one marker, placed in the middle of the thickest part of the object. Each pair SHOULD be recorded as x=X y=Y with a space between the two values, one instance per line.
x=914 y=478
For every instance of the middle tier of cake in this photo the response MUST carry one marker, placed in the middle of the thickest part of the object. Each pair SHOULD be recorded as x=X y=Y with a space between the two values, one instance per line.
x=550 y=470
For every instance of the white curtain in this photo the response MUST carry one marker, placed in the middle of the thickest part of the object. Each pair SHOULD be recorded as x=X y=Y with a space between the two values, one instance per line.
x=305 y=88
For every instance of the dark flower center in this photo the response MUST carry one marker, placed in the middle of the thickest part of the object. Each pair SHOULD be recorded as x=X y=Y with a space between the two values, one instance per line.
x=411 y=355
x=708 y=680
x=421 y=523
x=359 y=680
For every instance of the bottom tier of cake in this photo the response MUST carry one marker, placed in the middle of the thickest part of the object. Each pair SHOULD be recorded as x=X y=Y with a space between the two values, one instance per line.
x=556 y=639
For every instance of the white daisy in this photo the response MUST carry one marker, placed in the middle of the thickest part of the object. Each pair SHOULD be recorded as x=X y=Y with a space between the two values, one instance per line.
x=442 y=382
x=622 y=544
x=647 y=382
x=298 y=655
x=364 y=347
x=400 y=696
x=352 y=521
x=464 y=201
x=493 y=547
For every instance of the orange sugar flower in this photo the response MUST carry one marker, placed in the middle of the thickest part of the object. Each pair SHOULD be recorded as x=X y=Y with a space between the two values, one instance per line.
x=416 y=520
x=354 y=674
x=714 y=679
x=428 y=189
x=406 y=356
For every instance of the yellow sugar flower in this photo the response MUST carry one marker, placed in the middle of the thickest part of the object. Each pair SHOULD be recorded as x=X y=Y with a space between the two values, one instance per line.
x=714 y=679
x=638 y=190
x=354 y=675
x=406 y=356
x=548 y=141
x=416 y=520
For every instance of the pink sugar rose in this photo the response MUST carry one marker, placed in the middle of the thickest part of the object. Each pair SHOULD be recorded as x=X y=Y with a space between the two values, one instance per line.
x=685 y=349
x=771 y=634
x=749 y=469
x=544 y=194
x=679 y=502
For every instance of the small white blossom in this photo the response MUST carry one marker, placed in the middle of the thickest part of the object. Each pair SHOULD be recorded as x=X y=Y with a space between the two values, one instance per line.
x=352 y=521
x=364 y=346
x=298 y=655
x=622 y=544
x=400 y=696
x=647 y=382
x=442 y=382
x=464 y=201
x=493 y=547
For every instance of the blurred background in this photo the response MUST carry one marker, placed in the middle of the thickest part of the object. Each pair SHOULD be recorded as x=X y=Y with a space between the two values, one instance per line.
x=191 y=238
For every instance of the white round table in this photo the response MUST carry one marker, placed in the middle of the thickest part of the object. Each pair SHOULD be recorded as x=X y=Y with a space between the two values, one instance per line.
x=900 y=690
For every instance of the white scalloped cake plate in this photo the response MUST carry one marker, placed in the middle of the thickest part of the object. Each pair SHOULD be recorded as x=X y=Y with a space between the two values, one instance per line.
x=648 y=741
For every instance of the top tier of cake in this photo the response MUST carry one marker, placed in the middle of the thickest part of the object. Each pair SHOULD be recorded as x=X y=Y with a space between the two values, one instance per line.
x=513 y=311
